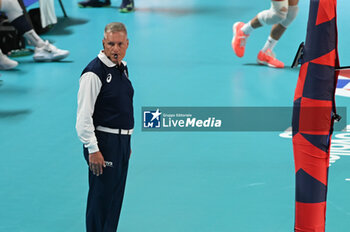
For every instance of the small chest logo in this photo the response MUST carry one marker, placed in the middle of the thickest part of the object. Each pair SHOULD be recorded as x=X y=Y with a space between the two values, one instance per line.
x=109 y=78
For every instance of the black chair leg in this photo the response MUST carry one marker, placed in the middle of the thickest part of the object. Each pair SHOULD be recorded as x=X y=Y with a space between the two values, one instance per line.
x=62 y=7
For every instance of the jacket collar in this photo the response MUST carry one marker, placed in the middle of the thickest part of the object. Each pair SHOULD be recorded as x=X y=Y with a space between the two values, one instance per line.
x=102 y=56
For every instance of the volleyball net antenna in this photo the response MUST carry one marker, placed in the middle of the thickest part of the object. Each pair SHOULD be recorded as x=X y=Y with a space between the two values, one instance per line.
x=299 y=56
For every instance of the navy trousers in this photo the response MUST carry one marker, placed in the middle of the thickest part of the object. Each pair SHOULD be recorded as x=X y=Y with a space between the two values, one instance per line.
x=106 y=191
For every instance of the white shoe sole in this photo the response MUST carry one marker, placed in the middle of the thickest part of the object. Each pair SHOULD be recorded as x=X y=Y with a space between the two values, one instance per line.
x=265 y=63
x=234 y=33
x=45 y=59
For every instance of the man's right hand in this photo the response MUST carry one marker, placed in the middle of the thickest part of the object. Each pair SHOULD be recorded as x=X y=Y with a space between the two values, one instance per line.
x=96 y=163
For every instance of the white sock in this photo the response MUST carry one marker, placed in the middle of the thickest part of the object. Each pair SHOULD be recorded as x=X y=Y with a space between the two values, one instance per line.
x=34 y=39
x=270 y=44
x=247 y=28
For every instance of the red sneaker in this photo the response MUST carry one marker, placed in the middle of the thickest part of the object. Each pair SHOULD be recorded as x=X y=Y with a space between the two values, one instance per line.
x=239 y=39
x=268 y=58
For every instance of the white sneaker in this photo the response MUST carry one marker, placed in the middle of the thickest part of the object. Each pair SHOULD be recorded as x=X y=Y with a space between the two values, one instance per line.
x=6 y=63
x=48 y=52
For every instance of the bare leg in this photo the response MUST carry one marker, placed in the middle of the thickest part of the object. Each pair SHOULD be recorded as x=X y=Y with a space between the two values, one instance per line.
x=293 y=2
x=251 y=25
x=255 y=22
x=277 y=31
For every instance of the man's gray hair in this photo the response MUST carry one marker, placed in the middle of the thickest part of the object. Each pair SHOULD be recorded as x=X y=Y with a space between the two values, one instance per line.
x=115 y=27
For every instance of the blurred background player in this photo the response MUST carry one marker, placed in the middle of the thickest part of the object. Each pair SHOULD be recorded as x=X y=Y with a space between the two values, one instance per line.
x=280 y=15
x=126 y=6
x=44 y=51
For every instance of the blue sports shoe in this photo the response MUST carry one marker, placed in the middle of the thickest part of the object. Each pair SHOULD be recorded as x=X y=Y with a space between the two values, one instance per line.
x=94 y=3
x=127 y=6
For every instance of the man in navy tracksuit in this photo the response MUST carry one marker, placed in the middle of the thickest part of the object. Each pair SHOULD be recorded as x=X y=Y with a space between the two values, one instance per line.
x=105 y=122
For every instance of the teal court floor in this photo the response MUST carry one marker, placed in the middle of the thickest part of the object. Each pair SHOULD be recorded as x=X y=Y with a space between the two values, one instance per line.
x=179 y=55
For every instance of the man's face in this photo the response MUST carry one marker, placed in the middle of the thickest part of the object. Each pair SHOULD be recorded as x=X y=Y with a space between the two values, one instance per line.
x=115 y=43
